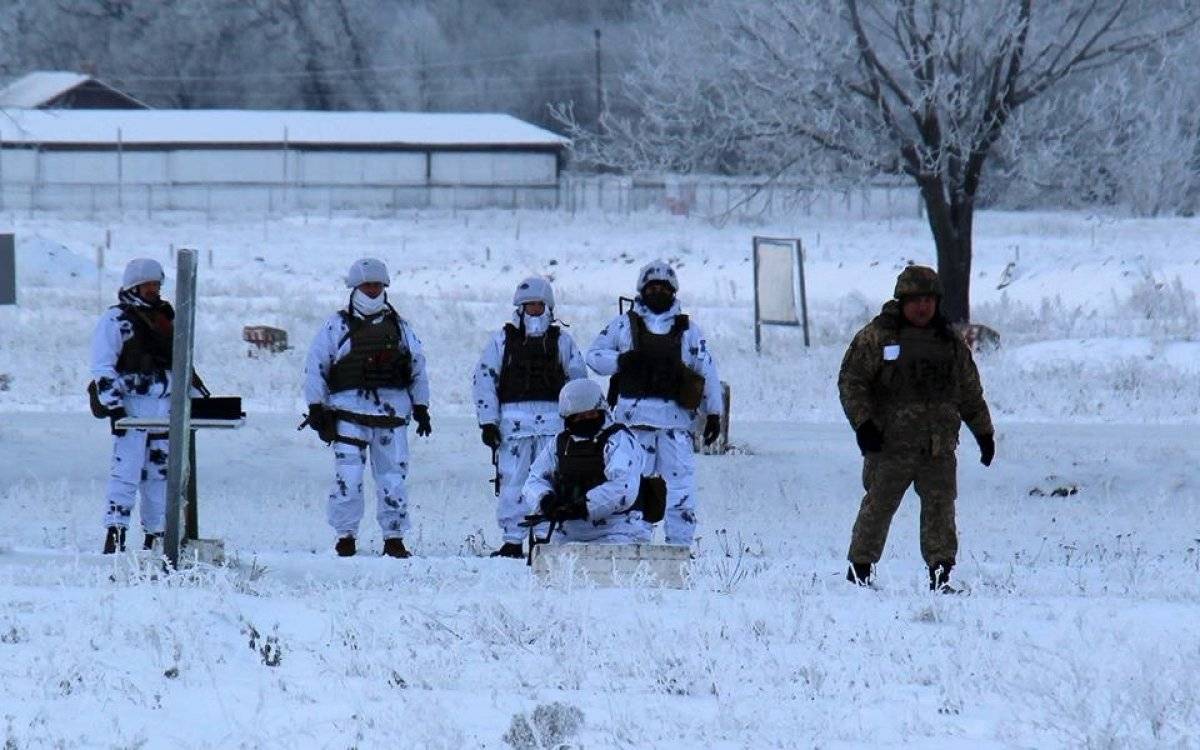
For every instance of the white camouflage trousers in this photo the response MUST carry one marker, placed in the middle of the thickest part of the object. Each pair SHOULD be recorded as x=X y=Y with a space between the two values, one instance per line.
x=389 y=467
x=139 y=462
x=669 y=454
x=515 y=456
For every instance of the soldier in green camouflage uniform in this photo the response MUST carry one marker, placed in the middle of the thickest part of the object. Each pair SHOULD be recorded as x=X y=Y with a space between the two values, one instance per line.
x=907 y=383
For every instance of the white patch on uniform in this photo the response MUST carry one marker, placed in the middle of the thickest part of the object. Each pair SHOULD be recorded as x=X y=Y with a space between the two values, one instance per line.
x=891 y=352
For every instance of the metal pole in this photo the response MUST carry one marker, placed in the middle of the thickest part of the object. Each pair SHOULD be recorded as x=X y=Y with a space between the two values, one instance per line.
x=754 y=281
x=179 y=468
x=191 y=516
x=120 y=172
x=803 y=289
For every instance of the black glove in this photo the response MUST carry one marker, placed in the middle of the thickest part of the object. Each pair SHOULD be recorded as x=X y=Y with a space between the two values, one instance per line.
x=490 y=435
x=555 y=509
x=323 y=421
x=421 y=414
x=987 y=448
x=548 y=504
x=870 y=439
x=712 y=428
x=115 y=415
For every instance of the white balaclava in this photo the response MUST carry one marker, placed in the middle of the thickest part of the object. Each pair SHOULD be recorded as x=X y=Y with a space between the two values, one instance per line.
x=534 y=289
x=367 y=271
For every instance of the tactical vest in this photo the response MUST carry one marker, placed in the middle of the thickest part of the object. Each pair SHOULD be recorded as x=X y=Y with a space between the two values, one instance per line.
x=378 y=358
x=659 y=373
x=148 y=350
x=531 y=369
x=581 y=463
x=924 y=371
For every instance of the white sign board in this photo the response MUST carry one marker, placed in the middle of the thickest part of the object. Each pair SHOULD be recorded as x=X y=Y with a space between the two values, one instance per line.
x=778 y=285
x=775 y=282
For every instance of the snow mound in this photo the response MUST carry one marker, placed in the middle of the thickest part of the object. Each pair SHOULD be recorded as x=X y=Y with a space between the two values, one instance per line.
x=44 y=262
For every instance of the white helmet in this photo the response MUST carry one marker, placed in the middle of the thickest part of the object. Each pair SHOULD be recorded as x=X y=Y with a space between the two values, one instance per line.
x=367 y=271
x=657 y=270
x=579 y=396
x=141 y=270
x=534 y=289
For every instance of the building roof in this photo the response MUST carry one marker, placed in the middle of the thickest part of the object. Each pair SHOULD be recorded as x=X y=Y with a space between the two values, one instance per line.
x=41 y=88
x=241 y=128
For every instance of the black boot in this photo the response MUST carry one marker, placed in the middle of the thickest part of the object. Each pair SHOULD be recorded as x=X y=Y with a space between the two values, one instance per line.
x=148 y=542
x=510 y=549
x=859 y=573
x=345 y=546
x=939 y=578
x=114 y=540
x=394 y=547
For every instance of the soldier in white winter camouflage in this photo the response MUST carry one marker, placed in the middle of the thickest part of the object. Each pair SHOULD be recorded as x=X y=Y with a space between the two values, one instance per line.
x=588 y=478
x=365 y=379
x=516 y=384
x=663 y=375
x=907 y=384
x=131 y=376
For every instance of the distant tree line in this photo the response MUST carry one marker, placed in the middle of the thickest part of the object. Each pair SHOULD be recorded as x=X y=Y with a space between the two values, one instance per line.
x=740 y=87
x=515 y=56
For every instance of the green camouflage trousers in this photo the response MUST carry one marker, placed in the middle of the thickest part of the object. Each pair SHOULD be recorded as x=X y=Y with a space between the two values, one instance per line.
x=886 y=477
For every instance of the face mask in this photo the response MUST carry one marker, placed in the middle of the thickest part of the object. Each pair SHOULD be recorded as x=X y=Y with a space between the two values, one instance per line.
x=536 y=325
x=657 y=301
x=586 y=428
x=131 y=297
x=368 y=306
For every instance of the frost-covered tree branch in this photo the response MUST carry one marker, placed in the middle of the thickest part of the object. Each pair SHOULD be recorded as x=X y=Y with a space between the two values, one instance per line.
x=841 y=88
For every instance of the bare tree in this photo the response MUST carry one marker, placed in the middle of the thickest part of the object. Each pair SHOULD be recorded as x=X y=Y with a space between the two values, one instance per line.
x=924 y=88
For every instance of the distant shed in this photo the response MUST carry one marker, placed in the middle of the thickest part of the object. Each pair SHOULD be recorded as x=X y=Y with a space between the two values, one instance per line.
x=57 y=89
x=273 y=160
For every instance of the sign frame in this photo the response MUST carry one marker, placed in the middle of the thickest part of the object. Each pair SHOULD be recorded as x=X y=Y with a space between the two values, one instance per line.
x=799 y=289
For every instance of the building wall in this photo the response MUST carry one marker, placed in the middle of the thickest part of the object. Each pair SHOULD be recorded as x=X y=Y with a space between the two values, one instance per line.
x=272 y=179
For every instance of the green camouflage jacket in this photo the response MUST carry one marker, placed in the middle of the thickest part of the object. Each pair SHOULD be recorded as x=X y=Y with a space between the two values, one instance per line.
x=917 y=384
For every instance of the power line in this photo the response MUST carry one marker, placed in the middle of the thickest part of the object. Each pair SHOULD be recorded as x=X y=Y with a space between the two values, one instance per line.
x=339 y=72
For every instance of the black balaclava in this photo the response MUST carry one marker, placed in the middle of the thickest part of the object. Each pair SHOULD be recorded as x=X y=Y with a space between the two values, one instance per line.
x=585 y=428
x=659 y=300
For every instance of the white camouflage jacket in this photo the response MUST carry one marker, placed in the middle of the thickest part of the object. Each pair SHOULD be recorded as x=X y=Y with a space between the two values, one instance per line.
x=607 y=502
x=616 y=338
x=332 y=343
x=141 y=395
x=527 y=418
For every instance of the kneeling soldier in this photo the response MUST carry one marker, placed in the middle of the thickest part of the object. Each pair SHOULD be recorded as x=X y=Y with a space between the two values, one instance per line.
x=364 y=379
x=589 y=478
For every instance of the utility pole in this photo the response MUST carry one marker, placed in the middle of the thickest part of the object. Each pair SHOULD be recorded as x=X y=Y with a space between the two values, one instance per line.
x=600 y=107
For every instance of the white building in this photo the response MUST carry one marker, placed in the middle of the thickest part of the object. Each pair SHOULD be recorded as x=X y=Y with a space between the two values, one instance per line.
x=64 y=89
x=284 y=160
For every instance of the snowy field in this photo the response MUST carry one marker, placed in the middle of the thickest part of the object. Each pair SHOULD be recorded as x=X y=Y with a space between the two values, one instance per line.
x=1080 y=546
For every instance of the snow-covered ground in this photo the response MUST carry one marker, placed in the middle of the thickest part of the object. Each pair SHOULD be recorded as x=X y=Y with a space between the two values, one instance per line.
x=1081 y=628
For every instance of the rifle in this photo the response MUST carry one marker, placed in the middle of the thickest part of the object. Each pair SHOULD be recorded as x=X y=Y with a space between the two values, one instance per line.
x=495 y=480
x=355 y=442
x=531 y=522
x=614 y=380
